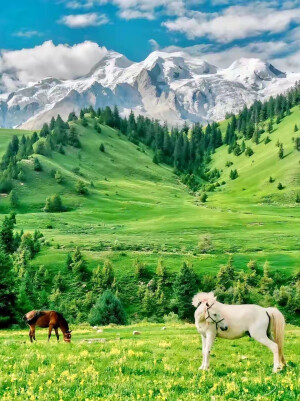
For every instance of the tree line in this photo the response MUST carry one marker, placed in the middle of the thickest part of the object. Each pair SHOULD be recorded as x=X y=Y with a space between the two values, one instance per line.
x=100 y=297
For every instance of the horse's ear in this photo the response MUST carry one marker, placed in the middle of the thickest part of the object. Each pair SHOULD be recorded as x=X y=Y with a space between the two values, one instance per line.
x=70 y=331
x=211 y=295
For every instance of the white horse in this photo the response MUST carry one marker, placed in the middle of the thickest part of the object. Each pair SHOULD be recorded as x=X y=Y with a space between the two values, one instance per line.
x=214 y=319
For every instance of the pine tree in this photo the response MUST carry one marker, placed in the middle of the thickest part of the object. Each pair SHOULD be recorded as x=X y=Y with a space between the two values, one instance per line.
x=266 y=282
x=73 y=139
x=7 y=293
x=37 y=165
x=281 y=152
x=185 y=287
x=233 y=174
x=108 y=309
x=7 y=233
x=226 y=275
x=13 y=199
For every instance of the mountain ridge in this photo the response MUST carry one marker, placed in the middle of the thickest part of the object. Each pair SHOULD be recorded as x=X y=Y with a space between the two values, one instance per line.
x=171 y=87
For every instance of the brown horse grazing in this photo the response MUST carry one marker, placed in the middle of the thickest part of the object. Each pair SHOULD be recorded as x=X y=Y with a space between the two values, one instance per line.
x=47 y=318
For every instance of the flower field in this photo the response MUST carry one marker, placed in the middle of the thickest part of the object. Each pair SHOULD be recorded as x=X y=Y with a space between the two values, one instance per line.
x=158 y=364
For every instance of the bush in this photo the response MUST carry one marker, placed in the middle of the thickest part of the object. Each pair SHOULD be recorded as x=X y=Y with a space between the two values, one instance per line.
x=249 y=151
x=203 y=197
x=108 y=309
x=233 y=174
x=171 y=318
x=37 y=165
x=280 y=186
x=58 y=177
x=6 y=185
x=81 y=188
x=102 y=148
x=54 y=204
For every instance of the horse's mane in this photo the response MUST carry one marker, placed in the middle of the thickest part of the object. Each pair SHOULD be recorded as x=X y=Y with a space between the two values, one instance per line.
x=63 y=320
x=203 y=296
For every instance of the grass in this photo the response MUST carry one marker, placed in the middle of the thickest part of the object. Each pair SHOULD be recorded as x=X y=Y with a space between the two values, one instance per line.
x=140 y=208
x=156 y=365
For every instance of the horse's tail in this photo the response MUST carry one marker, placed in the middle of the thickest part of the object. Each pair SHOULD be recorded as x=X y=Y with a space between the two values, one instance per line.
x=31 y=318
x=277 y=324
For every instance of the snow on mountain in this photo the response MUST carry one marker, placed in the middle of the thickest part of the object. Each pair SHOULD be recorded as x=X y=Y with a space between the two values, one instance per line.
x=171 y=87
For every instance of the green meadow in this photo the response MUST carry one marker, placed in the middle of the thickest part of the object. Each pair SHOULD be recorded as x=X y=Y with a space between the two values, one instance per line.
x=155 y=365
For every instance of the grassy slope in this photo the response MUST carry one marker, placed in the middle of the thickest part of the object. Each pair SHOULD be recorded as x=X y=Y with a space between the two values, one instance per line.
x=142 y=206
x=157 y=365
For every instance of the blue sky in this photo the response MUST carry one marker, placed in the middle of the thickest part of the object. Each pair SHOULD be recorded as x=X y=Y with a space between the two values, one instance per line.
x=217 y=30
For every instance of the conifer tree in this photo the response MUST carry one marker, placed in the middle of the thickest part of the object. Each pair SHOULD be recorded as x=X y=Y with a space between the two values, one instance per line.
x=185 y=287
x=7 y=293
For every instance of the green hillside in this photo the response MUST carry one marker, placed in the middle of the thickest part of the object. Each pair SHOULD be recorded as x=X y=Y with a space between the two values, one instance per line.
x=138 y=211
x=142 y=207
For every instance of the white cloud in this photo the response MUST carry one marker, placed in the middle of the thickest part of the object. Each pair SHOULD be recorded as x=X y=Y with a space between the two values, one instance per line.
x=283 y=55
x=74 y=4
x=84 y=20
x=136 y=14
x=133 y=9
x=61 y=61
x=27 y=34
x=153 y=43
x=236 y=22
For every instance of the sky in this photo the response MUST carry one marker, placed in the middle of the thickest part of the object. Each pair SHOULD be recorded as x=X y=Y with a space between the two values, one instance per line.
x=65 y=38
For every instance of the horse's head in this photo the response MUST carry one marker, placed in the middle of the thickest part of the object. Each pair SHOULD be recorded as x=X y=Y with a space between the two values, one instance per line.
x=67 y=336
x=212 y=315
x=208 y=310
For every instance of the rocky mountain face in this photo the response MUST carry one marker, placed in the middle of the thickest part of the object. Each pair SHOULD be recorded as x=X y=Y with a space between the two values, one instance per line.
x=171 y=87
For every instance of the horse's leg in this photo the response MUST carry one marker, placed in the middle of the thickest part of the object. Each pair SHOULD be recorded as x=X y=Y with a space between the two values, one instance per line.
x=203 y=350
x=30 y=334
x=33 y=333
x=210 y=337
x=263 y=339
x=50 y=330
x=56 y=333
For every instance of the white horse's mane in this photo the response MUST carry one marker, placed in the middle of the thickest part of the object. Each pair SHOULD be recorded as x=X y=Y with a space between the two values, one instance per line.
x=203 y=297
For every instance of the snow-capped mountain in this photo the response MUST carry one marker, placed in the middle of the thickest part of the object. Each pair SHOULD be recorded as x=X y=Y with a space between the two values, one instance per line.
x=165 y=86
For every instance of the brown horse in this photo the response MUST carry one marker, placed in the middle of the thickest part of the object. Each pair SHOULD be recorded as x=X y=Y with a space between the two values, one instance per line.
x=47 y=318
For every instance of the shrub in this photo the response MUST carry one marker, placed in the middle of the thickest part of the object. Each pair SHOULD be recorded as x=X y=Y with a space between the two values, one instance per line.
x=205 y=245
x=81 y=188
x=108 y=309
x=271 y=179
x=267 y=140
x=6 y=185
x=280 y=186
x=84 y=122
x=37 y=165
x=58 y=177
x=233 y=174
x=171 y=318
x=203 y=197
x=102 y=148
x=54 y=204
x=41 y=147
x=249 y=152
x=298 y=198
